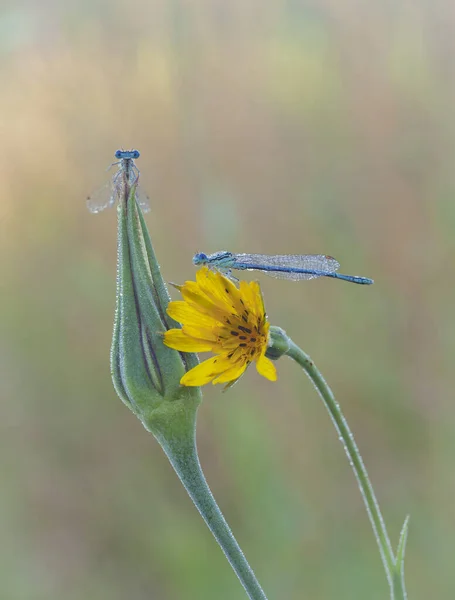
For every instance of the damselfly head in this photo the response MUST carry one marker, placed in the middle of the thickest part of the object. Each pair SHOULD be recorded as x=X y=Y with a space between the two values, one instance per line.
x=199 y=259
x=127 y=154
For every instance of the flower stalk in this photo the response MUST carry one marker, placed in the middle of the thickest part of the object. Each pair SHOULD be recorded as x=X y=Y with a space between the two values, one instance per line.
x=394 y=566
x=146 y=374
x=182 y=453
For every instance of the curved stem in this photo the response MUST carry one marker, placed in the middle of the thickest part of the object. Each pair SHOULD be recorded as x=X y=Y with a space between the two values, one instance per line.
x=397 y=587
x=182 y=453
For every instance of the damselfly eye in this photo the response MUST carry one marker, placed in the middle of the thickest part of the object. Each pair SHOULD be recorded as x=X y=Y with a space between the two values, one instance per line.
x=118 y=154
x=199 y=258
x=136 y=154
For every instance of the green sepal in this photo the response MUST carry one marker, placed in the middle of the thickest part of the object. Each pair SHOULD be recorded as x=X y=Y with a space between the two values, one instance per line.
x=190 y=359
x=279 y=343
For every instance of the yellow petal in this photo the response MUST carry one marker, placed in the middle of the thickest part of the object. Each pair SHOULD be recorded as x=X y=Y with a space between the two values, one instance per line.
x=229 y=342
x=256 y=299
x=191 y=291
x=220 y=289
x=202 y=333
x=206 y=371
x=249 y=297
x=175 y=338
x=231 y=374
x=197 y=299
x=266 y=368
x=176 y=286
x=183 y=313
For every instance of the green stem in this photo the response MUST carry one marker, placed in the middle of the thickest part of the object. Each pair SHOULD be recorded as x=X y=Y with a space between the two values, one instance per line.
x=181 y=450
x=398 y=576
x=397 y=587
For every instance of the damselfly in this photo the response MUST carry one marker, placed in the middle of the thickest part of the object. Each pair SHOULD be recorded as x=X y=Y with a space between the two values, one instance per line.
x=127 y=174
x=284 y=266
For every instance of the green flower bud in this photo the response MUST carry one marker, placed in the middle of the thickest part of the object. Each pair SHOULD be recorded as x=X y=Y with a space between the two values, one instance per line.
x=279 y=343
x=145 y=372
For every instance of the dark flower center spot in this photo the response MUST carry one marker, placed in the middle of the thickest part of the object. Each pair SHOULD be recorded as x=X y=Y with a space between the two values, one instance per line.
x=244 y=329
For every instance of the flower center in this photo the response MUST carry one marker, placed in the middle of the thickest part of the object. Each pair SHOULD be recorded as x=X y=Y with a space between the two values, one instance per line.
x=248 y=332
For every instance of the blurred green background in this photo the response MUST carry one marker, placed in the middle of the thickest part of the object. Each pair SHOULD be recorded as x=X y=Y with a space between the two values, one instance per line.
x=267 y=126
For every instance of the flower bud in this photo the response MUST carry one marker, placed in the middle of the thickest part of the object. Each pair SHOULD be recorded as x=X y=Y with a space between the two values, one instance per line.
x=279 y=343
x=145 y=372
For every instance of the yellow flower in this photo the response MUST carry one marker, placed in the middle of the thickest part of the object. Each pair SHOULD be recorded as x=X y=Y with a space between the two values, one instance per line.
x=218 y=317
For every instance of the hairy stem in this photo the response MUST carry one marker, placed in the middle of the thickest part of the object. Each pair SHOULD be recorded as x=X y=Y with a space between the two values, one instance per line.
x=182 y=453
x=396 y=583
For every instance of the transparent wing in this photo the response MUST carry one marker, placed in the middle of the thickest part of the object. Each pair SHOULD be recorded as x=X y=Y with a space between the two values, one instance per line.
x=142 y=199
x=285 y=266
x=107 y=195
x=102 y=198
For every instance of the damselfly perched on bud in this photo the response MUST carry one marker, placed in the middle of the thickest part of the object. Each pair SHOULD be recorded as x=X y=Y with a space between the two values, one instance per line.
x=127 y=175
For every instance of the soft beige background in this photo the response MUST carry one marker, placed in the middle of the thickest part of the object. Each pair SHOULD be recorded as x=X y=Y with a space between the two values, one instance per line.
x=265 y=126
